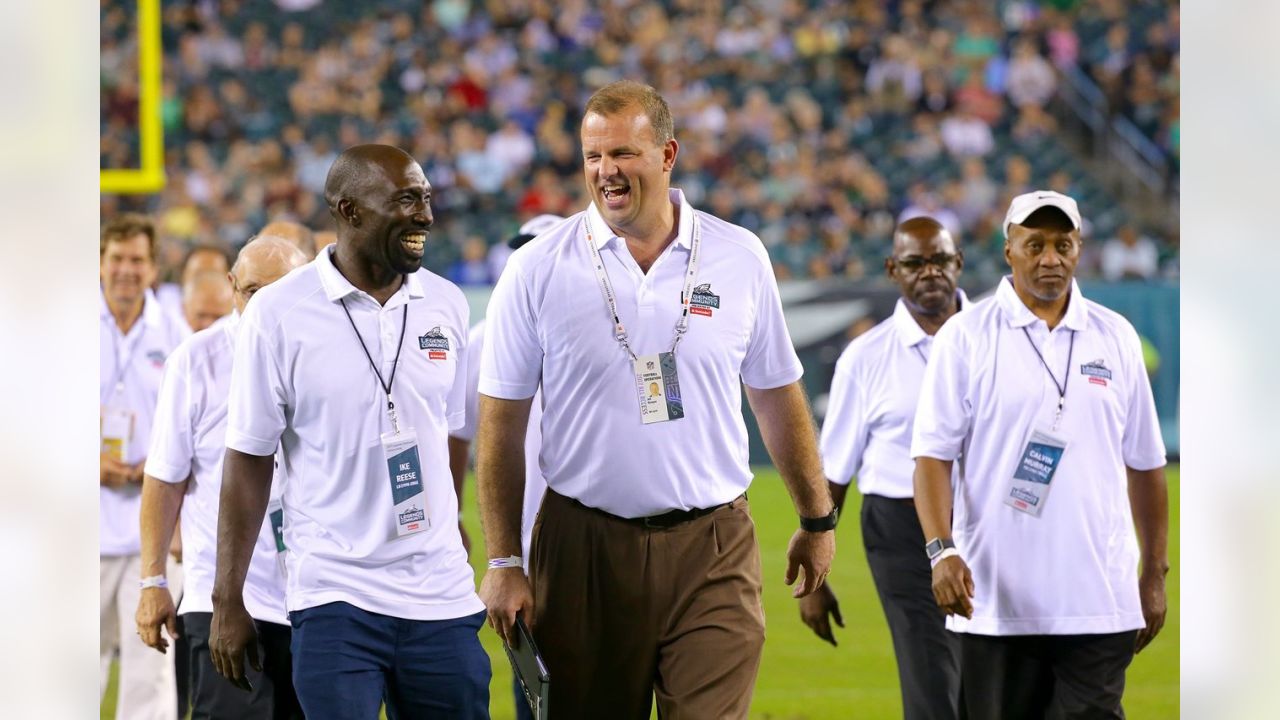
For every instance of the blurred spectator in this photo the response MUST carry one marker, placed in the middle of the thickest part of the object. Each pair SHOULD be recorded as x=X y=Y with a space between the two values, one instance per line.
x=966 y=135
x=1129 y=256
x=1034 y=125
x=1031 y=78
x=206 y=297
x=978 y=192
x=789 y=114
x=925 y=203
x=472 y=268
x=926 y=142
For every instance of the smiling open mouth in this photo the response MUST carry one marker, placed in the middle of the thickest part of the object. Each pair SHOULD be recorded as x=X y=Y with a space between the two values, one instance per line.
x=414 y=242
x=615 y=192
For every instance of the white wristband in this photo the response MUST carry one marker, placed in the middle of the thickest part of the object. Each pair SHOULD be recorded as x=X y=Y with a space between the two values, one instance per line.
x=949 y=552
x=511 y=561
x=156 y=581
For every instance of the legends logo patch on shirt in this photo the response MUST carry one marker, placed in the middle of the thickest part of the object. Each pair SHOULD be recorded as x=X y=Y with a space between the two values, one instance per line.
x=703 y=300
x=156 y=357
x=435 y=343
x=1097 y=372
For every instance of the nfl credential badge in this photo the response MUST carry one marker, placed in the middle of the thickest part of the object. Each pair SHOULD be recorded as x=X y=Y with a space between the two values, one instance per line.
x=703 y=300
x=435 y=343
x=1096 y=371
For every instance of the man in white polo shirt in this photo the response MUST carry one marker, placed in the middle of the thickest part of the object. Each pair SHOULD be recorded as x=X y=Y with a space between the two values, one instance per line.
x=867 y=432
x=137 y=334
x=187 y=448
x=1042 y=396
x=355 y=366
x=645 y=570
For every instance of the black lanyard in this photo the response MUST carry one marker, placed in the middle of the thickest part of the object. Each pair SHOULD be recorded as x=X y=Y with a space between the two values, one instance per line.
x=404 y=323
x=1062 y=386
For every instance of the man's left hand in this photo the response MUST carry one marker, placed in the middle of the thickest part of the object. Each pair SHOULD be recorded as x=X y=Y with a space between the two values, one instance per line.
x=1154 y=608
x=819 y=609
x=812 y=552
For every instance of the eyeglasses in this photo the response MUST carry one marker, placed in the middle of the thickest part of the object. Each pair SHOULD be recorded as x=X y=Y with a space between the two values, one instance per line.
x=915 y=263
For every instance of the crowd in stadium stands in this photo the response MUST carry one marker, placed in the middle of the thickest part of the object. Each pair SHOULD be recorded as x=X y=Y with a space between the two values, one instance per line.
x=816 y=124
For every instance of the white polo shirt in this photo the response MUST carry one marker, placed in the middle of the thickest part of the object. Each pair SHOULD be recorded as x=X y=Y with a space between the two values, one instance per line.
x=874 y=392
x=301 y=380
x=549 y=324
x=190 y=441
x=1073 y=570
x=130 y=368
x=534 y=486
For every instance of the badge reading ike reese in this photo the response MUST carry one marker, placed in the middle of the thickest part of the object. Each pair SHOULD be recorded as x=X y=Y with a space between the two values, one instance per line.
x=408 y=496
x=1040 y=458
x=435 y=343
x=658 y=387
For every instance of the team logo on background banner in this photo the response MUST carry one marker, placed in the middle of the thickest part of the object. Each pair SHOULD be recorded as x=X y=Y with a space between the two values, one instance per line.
x=703 y=300
x=435 y=343
x=1097 y=372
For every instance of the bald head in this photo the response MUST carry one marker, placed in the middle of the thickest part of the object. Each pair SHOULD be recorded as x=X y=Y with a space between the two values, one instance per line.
x=358 y=169
x=206 y=297
x=381 y=201
x=262 y=261
x=294 y=232
x=925 y=265
x=921 y=229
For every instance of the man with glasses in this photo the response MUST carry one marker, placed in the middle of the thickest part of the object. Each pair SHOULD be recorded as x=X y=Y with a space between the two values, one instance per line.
x=867 y=432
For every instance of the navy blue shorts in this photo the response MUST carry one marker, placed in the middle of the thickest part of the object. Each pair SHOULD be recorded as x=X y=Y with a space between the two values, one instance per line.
x=347 y=661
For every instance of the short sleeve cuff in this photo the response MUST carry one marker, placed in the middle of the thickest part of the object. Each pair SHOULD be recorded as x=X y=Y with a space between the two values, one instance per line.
x=507 y=390
x=167 y=472
x=241 y=442
x=935 y=450
x=1149 y=462
x=457 y=421
x=774 y=380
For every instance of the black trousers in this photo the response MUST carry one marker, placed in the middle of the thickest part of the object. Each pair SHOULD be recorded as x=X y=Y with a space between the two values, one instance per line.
x=1046 y=676
x=928 y=654
x=213 y=697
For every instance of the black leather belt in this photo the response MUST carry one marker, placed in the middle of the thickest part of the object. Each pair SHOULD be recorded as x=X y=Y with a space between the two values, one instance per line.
x=661 y=521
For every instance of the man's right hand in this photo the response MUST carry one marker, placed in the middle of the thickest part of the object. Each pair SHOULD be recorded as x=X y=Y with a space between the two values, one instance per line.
x=505 y=592
x=113 y=473
x=231 y=635
x=155 y=608
x=953 y=586
x=818 y=608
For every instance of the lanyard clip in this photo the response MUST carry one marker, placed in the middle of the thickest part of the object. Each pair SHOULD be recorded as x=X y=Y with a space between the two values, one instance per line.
x=391 y=413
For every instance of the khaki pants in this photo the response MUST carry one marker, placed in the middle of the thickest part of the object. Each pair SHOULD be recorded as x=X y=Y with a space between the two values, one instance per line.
x=147 y=688
x=625 y=613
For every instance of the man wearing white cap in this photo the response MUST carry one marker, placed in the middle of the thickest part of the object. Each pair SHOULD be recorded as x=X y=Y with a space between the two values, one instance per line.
x=460 y=440
x=1042 y=396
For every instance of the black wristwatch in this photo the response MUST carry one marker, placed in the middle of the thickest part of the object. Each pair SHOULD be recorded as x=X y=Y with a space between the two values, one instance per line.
x=934 y=547
x=820 y=524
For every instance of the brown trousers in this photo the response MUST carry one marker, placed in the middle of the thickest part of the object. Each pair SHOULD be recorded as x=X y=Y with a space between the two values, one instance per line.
x=624 y=613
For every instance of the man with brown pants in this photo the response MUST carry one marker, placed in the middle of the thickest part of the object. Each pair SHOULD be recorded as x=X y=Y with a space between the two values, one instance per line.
x=645 y=570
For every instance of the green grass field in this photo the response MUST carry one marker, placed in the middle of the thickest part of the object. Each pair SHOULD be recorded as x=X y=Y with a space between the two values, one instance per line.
x=802 y=677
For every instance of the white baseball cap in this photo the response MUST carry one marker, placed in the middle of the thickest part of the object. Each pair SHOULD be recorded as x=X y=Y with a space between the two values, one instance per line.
x=1023 y=205
x=533 y=228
